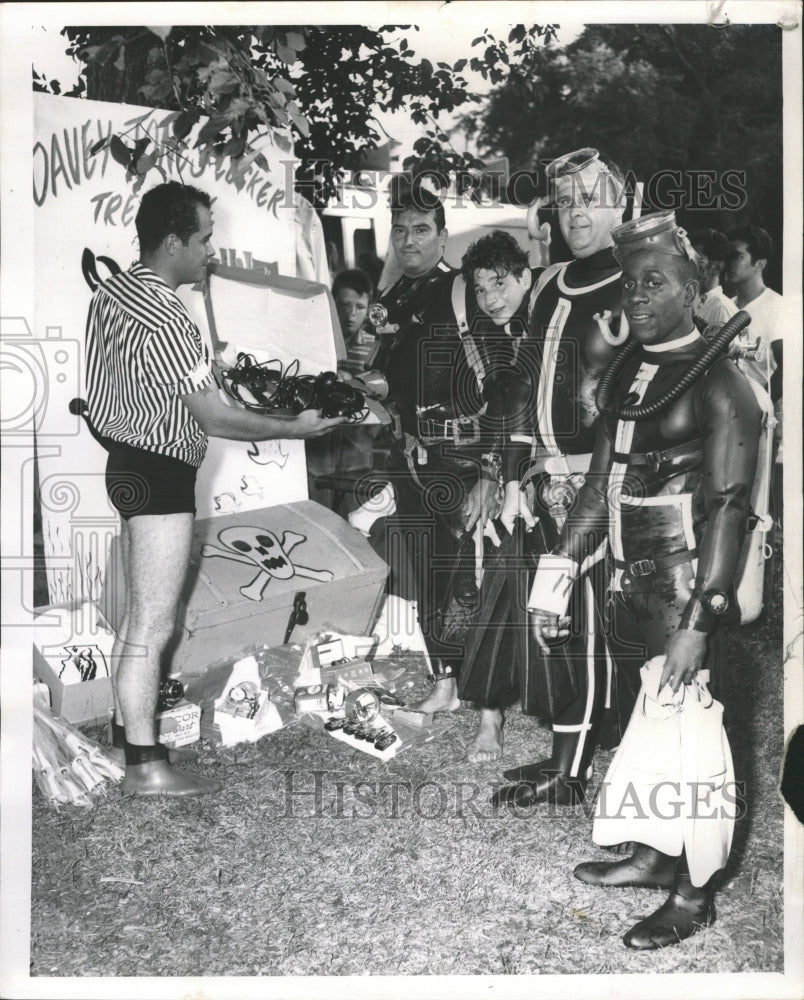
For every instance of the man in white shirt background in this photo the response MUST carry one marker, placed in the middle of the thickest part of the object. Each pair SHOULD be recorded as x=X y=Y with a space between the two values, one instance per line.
x=714 y=251
x=758 y=349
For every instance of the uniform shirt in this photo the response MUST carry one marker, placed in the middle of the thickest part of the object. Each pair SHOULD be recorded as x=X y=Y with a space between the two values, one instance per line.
x=414 y=305
x=408 y=296
x=715 y=308
x=751 y=349
x=143 y=353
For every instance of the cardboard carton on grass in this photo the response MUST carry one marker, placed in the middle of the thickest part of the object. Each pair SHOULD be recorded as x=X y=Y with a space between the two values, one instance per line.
x=410 y=717
x=180 y=725
x=350 y=673
x=71 y=654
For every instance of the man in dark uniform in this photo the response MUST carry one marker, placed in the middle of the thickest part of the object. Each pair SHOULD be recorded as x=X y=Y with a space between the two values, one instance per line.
x=418 y=238
x=403 y=319
x=435 y=372
x=575 y=326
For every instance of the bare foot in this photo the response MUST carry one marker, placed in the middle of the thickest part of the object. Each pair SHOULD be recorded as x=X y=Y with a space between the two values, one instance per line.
x=443 y=697
x=175 y=755
x=158 y=778
x=488 y=743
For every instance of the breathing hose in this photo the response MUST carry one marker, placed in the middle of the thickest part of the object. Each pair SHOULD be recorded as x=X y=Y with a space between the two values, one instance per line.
x=283 y=388
x=716 y=345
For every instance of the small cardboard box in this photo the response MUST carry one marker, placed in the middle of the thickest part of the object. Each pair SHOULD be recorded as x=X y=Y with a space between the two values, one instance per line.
x=410 y=717
x=336 y=649
x=352 y=673
x=179 y=725
x=71 y=654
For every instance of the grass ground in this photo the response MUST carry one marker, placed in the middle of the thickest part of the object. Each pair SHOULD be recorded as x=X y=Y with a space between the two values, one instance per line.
x=320 y=860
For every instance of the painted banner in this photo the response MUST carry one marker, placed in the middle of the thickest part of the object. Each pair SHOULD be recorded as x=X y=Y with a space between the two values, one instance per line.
x=84 y=231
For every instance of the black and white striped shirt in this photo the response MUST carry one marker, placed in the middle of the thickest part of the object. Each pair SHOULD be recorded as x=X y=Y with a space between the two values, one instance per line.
x=143 y=352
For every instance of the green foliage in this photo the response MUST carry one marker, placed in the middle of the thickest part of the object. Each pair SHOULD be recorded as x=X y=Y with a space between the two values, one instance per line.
x=317 y=88
x=654 y=97
x=41 y=84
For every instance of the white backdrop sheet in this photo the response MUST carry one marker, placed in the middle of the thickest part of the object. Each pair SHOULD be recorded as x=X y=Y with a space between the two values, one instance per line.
x=83 y=226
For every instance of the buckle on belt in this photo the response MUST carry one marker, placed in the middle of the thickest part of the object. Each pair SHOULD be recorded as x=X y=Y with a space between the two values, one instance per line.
x=461 y=430
x=642 y=567
x=653 y=459
x=465 y=430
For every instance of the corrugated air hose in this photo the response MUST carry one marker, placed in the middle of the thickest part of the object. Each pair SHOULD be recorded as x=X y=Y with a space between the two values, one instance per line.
x=716 y=345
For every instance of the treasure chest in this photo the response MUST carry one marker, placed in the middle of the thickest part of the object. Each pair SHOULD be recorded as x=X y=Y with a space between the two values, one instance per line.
x=263 y=578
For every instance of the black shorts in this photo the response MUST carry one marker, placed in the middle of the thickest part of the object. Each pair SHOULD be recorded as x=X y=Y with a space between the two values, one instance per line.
x=145 y=482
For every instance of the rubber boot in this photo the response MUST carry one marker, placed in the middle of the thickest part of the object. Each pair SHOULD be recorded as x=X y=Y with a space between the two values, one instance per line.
x=556 y=782
x=529 y=772
x=647 y=868
x=564 y=744
x=687 y=910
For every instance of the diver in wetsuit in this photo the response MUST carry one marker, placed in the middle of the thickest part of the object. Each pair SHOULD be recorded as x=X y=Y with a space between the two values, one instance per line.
x=669 y=484
x=574 y=325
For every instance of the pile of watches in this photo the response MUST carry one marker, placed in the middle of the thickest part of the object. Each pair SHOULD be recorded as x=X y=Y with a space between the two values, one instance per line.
x=380 y=735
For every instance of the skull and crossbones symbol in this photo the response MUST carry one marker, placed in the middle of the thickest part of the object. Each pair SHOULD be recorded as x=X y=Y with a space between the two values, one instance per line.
x=261 y=548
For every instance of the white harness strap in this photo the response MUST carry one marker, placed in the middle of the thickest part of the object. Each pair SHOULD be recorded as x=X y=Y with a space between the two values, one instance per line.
x=622 y=445
x=618 y=499
x=549 y=272
x=544 y=397
x=459 y=304
x=467 y=340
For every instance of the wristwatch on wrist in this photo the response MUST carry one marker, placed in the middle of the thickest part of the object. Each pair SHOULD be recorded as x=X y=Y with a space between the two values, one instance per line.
x=492 y=464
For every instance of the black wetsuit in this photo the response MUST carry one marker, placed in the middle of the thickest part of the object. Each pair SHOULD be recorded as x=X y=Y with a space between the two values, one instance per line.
x=672 y=494
x=557 y=374
x=437 y=370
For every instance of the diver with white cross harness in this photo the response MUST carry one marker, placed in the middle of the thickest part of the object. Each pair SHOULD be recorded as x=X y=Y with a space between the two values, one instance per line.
x=574 y=329
x=669 y=484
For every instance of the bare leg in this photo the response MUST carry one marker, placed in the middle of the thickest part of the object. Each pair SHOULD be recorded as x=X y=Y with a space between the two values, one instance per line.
x=158 y=555
x=175 y=755
x=443 y=697
x=119 y=639
x=488 y=743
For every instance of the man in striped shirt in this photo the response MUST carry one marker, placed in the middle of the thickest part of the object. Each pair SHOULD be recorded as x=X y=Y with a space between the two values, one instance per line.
x=153 y=400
